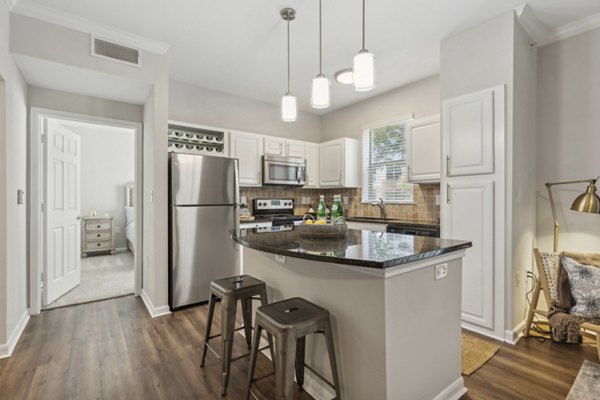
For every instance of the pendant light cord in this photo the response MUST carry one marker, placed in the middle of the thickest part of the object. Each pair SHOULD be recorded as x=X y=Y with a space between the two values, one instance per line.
x=320 y=41
x=363 y=24
x=288 y=56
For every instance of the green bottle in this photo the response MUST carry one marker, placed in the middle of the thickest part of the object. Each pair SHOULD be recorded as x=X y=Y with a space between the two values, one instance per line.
x=322 y=209
x=337 y=211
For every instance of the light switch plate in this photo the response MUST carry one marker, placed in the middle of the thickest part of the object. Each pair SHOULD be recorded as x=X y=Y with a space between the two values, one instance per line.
x=20 y=196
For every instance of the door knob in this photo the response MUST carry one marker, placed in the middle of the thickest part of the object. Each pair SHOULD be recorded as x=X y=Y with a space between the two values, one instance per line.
x=78 y=218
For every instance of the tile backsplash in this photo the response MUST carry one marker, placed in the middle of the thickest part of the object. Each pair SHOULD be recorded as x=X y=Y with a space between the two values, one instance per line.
x=424 y=209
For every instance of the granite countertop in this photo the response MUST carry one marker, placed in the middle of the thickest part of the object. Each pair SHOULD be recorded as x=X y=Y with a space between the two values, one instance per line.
x=359 y=247
x=391 y=221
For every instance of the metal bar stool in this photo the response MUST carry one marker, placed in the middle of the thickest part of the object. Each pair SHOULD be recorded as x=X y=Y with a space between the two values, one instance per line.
x=289 y=321
x=229 y=291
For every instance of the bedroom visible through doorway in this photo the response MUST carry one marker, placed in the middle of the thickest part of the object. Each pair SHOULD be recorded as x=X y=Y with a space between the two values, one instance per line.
x=90 y=198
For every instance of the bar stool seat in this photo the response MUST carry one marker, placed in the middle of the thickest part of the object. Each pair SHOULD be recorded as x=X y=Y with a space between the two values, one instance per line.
x=229 y=290
x=289 y=321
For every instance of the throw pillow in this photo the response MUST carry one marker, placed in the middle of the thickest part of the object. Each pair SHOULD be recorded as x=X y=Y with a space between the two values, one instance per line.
x=585 y=288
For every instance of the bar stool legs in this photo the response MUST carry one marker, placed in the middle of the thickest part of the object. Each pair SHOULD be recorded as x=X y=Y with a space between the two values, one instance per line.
x=290 y=321
x=229 y=291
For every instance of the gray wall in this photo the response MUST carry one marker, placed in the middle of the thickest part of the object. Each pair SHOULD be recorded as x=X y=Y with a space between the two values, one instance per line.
x=568 y=137
x=107 y=167
x=75 y=103
x=188 y=103
x=421 y=98
x=13 y=176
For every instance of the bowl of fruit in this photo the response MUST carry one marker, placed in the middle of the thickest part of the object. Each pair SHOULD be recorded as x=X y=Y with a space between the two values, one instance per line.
x=322 y=229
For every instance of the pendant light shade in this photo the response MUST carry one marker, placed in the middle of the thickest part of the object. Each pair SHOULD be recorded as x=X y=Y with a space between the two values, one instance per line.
x=363 y=71
x=289 y=106
x=364 y=64
x=320 y=96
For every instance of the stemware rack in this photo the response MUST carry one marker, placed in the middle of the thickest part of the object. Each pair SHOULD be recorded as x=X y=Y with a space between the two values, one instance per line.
x=195 y=140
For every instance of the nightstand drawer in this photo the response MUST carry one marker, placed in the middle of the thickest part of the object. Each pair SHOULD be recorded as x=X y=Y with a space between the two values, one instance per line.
x=98 y=226
x=98 y=245
x=95 y=236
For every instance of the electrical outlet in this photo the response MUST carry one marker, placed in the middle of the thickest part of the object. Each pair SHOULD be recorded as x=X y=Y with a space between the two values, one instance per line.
x=437 y=199
x=243 y=200
x=518 y=279
x=441 y=271
x=117 y=229
x=280 y=258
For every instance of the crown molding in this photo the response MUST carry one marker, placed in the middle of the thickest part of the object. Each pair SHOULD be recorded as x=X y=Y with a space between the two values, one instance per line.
x=11 y=4
x=576 y=27
x=542 y=35
x=53 y=16
x=532 y=25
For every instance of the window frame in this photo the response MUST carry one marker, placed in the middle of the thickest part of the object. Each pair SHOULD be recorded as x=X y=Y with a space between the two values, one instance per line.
x=364 y=183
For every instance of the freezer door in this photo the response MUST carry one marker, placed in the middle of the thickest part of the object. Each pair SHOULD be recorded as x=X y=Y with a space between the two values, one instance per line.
x=203 y=180
x=202 y=251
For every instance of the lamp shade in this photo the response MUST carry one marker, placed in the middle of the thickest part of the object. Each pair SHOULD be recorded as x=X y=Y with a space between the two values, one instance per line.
x=289 y=111
x=363 y=71
x=320 y=96
x=588 y=202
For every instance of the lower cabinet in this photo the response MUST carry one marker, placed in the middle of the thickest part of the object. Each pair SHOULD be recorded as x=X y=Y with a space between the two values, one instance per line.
x=468 y=214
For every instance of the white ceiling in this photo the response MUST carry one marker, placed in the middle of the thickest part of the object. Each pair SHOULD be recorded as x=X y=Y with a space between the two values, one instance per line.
x=238 y=46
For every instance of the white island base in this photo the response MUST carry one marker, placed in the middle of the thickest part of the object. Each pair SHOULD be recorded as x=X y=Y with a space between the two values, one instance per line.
x=397 y=330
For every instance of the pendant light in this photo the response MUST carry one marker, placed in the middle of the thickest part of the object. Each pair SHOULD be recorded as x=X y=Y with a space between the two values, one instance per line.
x=289 y=107
x=363 y=71
x=320 y=96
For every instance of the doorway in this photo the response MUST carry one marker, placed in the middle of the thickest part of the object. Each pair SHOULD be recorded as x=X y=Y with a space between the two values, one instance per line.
x=87 y=242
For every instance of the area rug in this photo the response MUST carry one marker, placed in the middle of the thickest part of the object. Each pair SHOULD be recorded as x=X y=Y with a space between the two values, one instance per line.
x=475 y=353
x=587 y=383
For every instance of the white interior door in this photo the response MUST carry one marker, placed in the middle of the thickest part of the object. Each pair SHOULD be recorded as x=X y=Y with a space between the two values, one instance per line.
x=62 y=211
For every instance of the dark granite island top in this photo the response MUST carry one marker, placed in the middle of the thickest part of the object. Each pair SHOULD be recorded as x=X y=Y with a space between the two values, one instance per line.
x=358 y=248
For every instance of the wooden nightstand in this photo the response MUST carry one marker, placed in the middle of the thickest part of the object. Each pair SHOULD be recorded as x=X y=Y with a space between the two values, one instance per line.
x=97 y=235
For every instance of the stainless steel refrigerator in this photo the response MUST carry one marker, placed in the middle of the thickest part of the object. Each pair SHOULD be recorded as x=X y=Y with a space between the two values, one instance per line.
x=203 y=210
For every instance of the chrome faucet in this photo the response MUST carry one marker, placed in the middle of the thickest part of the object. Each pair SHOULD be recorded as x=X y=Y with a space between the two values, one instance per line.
x=381 y=205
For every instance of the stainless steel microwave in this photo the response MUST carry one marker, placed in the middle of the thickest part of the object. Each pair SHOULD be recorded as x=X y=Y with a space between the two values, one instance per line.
x=284 y=171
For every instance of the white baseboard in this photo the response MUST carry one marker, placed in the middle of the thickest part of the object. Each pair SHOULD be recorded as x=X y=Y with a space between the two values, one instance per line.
x=154 y=311
x=7 y=349
x=121 y=250
x=513 y=336
x=454 y=391
x=482 y=331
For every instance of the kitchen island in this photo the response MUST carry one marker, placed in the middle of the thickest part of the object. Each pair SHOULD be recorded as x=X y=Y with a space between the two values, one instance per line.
x=397 y=329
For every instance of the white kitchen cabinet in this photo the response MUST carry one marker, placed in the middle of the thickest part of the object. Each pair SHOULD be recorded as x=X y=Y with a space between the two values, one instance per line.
x=248 y=149
x=469 y=132
x=282 y=147
x=473 y=205
x=423 y=150
x=470 y=211
x=295 y=148
x=312 y=165
x=339 y=163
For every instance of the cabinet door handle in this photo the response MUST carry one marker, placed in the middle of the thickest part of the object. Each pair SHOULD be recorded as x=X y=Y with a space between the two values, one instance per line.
x=409 y=170
x=98 y=226
x=447 y=165
x=287 y=149
x=98 y=235
x=447 y=193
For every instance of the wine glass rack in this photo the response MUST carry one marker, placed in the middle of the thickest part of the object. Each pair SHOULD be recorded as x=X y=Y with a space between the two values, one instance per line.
x=193 y=140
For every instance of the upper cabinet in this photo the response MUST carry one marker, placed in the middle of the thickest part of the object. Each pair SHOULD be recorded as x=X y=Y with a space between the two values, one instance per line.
x=339 y=163
x=312 y=165
x=285 y=148
x=423 y=150
x=248 y=149
x=469 y=125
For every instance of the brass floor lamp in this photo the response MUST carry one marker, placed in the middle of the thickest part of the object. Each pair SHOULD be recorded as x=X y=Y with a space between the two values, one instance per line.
x=587 y=202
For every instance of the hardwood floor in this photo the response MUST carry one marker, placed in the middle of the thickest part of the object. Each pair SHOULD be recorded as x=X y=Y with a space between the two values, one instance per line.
x=113 y=350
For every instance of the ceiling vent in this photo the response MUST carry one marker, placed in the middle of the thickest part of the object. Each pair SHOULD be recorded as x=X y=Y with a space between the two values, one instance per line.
x=116 y=52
